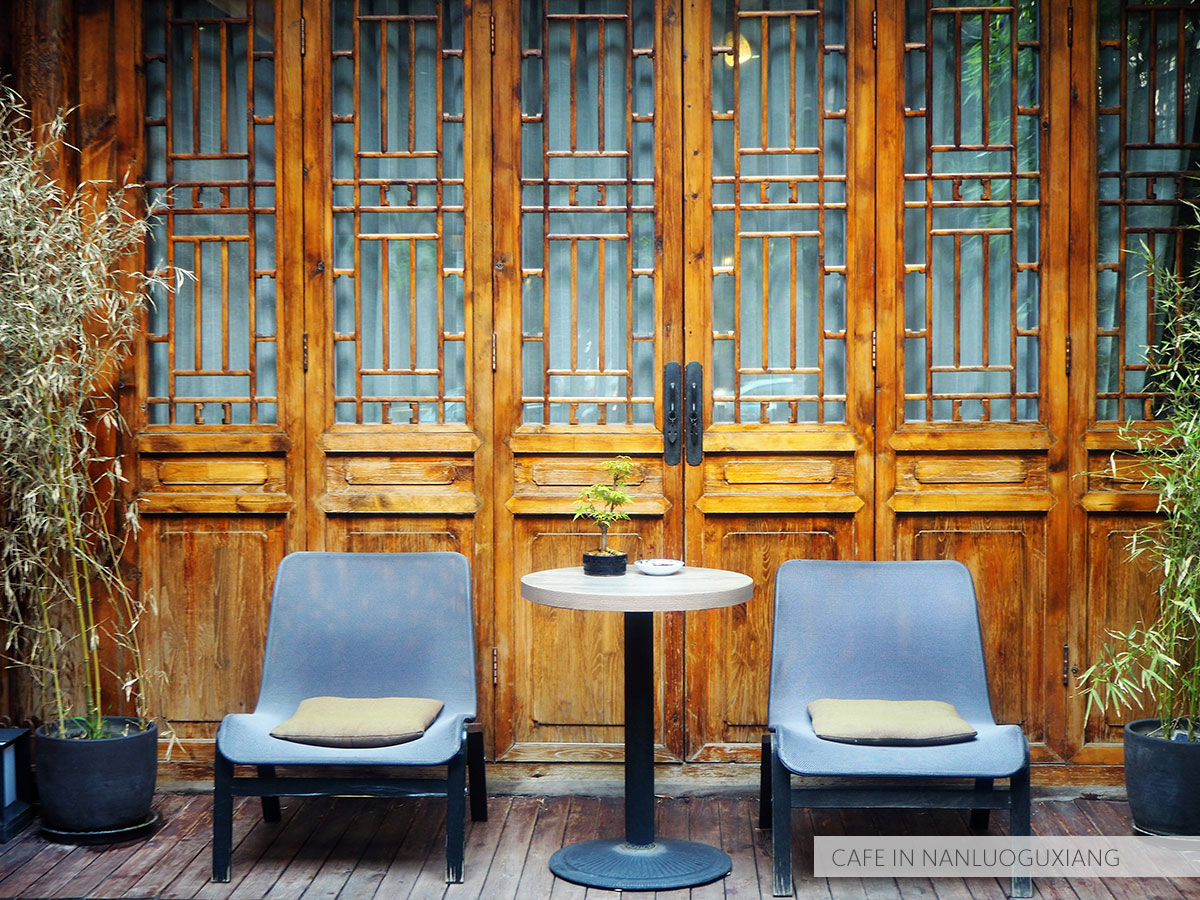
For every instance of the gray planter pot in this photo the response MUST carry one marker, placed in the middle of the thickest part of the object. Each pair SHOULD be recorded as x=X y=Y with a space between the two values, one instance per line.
x=94 y=788
x=1162 y=779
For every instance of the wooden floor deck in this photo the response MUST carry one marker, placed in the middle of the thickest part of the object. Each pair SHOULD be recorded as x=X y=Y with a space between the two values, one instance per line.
x=355 y=848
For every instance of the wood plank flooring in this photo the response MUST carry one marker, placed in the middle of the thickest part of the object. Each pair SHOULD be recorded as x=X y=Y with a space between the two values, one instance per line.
x=350 y=848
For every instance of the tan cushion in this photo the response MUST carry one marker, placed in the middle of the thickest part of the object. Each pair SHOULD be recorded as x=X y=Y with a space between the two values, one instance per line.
x=357 y=722
x=905 y=722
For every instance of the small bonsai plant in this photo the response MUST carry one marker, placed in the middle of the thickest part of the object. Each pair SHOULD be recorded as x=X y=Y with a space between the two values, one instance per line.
x=602 y=502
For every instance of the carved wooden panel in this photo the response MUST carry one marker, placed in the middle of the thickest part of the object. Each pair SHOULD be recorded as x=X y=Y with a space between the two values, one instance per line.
x=1006 y=557
x=210 y=581
x=729 y=650
x=411 y=534
x=568 y=668
x=1122 y=593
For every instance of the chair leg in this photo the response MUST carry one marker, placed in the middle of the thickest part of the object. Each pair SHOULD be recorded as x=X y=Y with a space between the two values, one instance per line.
x=764 y=783
x=476 y=775
x=979 y=817
x=781 y=822
x=456 y=786
x=222 y=849
x=270 y=805
x=1020 y=824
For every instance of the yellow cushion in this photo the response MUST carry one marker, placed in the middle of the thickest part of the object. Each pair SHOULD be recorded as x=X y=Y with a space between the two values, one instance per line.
x=357 y=722
x=905 y=722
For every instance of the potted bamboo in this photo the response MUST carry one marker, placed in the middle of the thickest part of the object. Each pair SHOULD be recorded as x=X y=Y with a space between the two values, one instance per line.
x=1159 y=663
x=602 y=502
x=68 y=315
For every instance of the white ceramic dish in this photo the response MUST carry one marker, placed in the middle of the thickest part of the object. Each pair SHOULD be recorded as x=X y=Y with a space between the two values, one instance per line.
x=658 y=566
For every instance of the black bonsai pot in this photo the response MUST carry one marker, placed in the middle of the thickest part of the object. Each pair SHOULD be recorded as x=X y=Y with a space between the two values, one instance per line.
x=595 y=563
x=1162 y=779
x=94 y=790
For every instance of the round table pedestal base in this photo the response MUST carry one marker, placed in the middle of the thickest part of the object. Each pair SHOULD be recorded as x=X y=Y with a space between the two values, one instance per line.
x=663 y=865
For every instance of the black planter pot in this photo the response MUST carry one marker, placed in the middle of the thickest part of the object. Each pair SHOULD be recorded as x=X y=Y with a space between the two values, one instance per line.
x=97 y=790
x=604 y=563
x=1162 y=779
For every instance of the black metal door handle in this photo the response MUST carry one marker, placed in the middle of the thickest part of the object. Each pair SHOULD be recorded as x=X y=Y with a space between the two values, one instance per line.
x=694 y=413
x=672 y=416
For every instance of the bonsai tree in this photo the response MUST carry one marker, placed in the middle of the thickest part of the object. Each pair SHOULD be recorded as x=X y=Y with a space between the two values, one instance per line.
x=68 y=315
x=602 y=502
x=1159 y=663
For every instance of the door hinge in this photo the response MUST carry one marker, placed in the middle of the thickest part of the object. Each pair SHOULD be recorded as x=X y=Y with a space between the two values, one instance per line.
x=493 y=351
x=304 y=354
x=1066 y=672
x=874 y=348
x=874 y=29
x=492 y=28
x=1068 y=355
x=495 y=666
x=303 y=37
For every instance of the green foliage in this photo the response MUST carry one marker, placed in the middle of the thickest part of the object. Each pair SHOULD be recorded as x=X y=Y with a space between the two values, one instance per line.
x=1160 y=662
x=602 y=502
x=68 y=315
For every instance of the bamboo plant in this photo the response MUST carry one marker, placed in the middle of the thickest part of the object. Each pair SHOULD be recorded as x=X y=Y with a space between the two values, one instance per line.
x=1159 y=663
x=602 y=502
x=69 y=312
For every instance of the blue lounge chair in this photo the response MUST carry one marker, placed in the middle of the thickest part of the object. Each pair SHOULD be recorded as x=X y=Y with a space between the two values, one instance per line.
x=361 y=625
x=883 y=631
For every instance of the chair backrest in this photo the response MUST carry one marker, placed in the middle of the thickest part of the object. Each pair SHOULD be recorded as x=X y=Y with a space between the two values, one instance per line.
x=370 y=625
x=876 y=630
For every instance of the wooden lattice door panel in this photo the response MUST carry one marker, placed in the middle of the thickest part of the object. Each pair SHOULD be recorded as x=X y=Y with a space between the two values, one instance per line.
x=780 y=316
x=971 y=368
x=211 y=352
x=398 y=341
x=218 y=399
x=1139 y=135
x=587 y=299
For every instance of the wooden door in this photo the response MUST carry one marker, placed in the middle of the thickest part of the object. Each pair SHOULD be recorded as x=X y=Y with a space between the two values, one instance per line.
x=971 y=318
x=1136 y=137
x=586 y=123
x=216 y=399
x=778 y=289
x=717 y=240
x=859 y=277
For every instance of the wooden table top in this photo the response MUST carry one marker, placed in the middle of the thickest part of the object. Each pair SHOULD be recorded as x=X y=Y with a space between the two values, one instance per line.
x=689 y=588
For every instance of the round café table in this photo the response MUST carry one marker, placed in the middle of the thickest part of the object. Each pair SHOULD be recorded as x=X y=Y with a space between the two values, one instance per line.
x=639 y=861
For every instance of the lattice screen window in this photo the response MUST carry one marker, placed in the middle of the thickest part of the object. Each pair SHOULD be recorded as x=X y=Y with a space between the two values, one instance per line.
x=1148 y=144
x=972 y=295
x=779 y=212
x=587 y=212
x=399 y=313
x=210 y=160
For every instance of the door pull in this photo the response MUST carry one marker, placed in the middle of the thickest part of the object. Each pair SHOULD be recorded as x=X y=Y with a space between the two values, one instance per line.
x=672 y=417
x=694 y=413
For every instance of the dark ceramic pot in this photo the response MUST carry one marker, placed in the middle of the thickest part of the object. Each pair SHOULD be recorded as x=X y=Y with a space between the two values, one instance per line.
x=97 y=785
x=604 y=563
x=1162 y=779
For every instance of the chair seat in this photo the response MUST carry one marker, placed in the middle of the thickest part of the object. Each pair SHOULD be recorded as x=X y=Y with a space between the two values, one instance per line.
x=245 y=738
x=996 y=752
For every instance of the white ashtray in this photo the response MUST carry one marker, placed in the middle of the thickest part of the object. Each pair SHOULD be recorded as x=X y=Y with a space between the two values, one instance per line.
x=658 y=566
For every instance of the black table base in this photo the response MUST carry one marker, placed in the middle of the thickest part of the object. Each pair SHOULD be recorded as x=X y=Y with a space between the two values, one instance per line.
x=639 y=861
x=617 y=865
